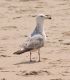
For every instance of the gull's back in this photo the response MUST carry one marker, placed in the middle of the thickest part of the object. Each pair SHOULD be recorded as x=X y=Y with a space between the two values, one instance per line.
x=34 y=42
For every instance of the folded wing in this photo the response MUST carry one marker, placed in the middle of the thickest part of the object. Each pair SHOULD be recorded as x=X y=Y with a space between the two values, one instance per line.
x=32 y=43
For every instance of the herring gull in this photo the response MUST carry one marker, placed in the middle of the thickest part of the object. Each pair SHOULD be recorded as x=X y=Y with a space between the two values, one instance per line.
x=37 y=38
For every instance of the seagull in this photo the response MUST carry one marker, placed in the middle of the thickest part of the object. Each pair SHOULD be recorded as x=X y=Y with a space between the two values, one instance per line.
x=37 y=38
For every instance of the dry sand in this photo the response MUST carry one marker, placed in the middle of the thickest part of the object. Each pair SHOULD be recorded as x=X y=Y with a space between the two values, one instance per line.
x=17 y=22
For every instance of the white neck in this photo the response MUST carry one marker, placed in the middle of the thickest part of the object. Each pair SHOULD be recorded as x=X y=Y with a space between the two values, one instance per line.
x=39 y=27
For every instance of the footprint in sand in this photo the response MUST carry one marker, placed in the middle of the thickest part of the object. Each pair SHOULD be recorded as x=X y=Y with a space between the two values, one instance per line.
x=56 y=79
x=34 y=73
x=3 y=79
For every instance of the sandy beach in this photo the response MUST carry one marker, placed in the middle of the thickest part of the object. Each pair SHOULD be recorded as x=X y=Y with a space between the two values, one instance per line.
x=17 y=21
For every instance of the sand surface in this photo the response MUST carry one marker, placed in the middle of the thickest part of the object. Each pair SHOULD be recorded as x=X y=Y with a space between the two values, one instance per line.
x=17 y=22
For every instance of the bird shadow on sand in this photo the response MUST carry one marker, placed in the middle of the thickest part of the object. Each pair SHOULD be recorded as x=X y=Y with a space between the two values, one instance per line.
x=26 y=62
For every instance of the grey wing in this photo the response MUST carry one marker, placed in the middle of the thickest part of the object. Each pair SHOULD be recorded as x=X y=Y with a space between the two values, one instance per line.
x=37 y=30
x=34 y=42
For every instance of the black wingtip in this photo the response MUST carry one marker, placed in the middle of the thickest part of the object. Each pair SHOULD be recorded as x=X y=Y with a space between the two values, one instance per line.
x=17 y=52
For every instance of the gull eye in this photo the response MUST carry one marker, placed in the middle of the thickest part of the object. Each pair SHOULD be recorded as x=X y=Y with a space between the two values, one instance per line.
x=41 y=16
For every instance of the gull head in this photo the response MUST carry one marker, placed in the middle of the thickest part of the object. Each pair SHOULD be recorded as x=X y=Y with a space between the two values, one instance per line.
x=40 y=18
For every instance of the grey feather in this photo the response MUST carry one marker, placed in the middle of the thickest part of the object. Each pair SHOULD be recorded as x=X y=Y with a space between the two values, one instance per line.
x=34 y=42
